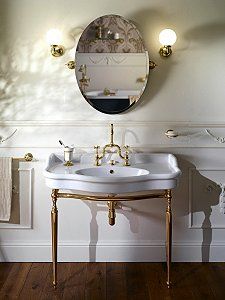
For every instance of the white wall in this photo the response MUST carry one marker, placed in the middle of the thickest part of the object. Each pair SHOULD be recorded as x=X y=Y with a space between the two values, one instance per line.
x=40 y=97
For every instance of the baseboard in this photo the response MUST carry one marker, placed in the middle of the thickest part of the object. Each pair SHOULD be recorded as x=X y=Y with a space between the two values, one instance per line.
x=154 y=252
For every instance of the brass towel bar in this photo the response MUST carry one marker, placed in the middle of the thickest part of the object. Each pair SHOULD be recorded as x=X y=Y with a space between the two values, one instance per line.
x=27 y=157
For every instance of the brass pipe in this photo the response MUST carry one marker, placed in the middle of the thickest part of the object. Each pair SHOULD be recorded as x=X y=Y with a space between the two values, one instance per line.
x=110 y=198
x=112 y=212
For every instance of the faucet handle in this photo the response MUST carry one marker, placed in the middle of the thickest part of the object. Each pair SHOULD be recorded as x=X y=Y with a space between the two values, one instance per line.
x=97 y=163
x=126 y=158
x=96 y=147
x=127 y=148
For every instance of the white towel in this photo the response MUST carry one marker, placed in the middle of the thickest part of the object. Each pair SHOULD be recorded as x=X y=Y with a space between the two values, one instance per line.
x=5 y=188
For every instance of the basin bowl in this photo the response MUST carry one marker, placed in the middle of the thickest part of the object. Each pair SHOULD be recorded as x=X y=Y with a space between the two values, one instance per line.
x=107 y=171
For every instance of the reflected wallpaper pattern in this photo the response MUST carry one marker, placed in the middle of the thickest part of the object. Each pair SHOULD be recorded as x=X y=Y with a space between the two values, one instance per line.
x=128 y=33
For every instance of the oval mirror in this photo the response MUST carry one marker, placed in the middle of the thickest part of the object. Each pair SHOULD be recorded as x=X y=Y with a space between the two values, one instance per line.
x=112 y=64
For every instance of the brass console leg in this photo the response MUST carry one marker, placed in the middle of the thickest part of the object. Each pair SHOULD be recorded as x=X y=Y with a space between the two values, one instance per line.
x=112 y=212
x=168 y=235
x=54 y=221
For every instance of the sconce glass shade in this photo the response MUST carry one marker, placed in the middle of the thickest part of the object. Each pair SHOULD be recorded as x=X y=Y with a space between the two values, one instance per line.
x=54 y=37
x=167 y=37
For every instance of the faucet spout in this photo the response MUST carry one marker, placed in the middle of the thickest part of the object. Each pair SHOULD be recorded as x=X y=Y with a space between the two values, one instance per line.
x=112 y=133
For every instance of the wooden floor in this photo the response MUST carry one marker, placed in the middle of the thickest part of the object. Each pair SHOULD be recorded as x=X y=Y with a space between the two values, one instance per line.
x=115 y=281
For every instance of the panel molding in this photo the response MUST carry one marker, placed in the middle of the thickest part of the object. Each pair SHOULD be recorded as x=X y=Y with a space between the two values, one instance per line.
x=99 y=123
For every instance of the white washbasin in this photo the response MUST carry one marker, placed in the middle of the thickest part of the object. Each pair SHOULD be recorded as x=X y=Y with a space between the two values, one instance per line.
x=115 y=171
x=148 y=171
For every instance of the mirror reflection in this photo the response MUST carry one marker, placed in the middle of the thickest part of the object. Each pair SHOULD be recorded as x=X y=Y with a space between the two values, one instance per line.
x=112 y=64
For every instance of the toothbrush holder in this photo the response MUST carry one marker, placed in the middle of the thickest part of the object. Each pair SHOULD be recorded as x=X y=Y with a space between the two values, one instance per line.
x=68 y=156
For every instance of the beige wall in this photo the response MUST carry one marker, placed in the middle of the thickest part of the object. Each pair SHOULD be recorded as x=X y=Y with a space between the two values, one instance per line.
x=39 y=96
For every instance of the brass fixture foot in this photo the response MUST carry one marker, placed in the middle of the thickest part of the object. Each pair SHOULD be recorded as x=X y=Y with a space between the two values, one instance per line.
x=168 y=284
x=152 y=65
x=28 y=157
x=111 y=221
x=165 y=51
x=71 y=64
x=112 y=212
x=57 y=50
x=68 y=164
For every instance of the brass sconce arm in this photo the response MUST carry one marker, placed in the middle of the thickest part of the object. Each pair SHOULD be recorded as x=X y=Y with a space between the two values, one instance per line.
x=57 y=50
x=165 y=51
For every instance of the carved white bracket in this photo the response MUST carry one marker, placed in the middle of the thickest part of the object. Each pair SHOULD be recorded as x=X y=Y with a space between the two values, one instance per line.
x=170 y=133
x=218 y=139
x=2 y=139
x=222 y=198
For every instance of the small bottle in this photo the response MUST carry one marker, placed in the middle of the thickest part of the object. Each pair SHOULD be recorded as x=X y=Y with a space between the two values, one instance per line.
x=116 y=36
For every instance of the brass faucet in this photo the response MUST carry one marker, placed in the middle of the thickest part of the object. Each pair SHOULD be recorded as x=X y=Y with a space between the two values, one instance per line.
x=84 y=80
x=109 y=146
x=107 y=92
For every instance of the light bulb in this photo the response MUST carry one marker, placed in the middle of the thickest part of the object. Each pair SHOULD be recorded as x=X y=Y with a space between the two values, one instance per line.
x=167 y=37
x=54 y=37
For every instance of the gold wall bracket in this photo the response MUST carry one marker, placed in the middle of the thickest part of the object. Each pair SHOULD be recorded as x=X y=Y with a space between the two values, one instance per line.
x=165 y=51
x=152 y=65
x=27 y=157
x=57 y=50
x=71 y=64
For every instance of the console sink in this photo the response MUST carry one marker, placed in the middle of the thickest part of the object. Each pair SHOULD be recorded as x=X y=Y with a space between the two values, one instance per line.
x=148 y=171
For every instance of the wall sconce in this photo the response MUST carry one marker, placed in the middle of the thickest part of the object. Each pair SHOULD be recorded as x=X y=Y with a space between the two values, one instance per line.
x=54 y=39
x=167 y=38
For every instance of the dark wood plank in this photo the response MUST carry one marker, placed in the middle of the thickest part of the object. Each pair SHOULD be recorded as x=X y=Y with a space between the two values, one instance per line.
x=215 y=273
x=155 y=277
x=199 y=282
x=35 y=281
x=136 y=285
x=182 y=275
x=122 y=281
x=95 y=288
x=48 y=292
x=75 y=282
x=115 y=281
x=5 y=269
x=15 y=280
